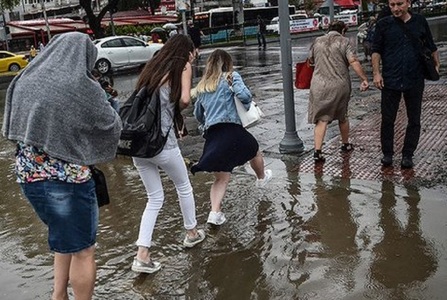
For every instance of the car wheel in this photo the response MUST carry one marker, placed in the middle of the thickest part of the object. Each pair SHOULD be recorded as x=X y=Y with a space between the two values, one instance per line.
x=14 y=68
x=103 y=66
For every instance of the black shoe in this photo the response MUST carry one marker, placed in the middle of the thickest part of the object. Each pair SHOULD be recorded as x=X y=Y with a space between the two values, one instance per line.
x=387 y=160
x=347 y=147
x=318 y=157
x=407 y=162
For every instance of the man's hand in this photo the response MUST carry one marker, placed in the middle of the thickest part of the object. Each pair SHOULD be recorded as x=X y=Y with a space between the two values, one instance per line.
x=364 y=85
x=378 y=81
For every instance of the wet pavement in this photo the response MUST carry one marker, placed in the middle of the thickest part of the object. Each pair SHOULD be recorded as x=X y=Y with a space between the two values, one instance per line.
x=347 y=229
x=364 y=163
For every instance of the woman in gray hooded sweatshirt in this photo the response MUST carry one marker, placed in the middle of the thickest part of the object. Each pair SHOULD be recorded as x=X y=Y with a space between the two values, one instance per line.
x=58 y=115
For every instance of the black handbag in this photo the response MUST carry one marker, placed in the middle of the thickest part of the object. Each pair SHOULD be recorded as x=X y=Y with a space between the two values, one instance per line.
x=430 y=72
x=428 y=63
x=102 y=194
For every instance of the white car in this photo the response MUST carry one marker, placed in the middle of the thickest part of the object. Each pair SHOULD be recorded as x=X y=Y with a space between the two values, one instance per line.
x=274 y=23
x=123 y=51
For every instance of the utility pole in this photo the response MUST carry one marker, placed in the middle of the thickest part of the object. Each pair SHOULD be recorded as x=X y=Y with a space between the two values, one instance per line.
x=291 y=143
x=331 y=10
x=3 y=31
x=42 y=4
x=238 y=13
x=182 y=6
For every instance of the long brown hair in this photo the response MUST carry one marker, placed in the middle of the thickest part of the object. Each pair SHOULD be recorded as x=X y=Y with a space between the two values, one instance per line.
x=167 y=66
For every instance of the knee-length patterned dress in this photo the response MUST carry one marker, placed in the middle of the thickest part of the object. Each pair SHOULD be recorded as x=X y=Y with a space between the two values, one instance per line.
x=330 y=87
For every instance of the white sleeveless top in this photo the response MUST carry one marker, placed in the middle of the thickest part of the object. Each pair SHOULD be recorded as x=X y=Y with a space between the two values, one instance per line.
x=167 y=117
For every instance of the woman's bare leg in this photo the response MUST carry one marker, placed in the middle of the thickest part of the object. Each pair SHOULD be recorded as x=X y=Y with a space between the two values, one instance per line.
x=61 y=272
x=319 y=133
x=257 y=164
x=83 y=273
x=218 y=189
x=344 y=131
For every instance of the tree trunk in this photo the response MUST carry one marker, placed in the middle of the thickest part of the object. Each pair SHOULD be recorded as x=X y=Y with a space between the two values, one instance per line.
x=95 y=21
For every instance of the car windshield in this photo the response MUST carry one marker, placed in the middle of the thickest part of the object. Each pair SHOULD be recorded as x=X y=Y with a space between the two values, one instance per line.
x=297 y=17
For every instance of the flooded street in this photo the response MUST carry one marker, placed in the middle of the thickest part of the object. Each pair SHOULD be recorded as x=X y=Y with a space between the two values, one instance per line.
x=306 y=236
x=303 y=238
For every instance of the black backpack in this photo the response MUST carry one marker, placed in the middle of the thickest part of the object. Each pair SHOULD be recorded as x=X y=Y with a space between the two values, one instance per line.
x=141 y=116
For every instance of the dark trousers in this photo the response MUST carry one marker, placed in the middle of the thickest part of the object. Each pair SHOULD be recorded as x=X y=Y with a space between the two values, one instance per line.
x=261 y=36
x=390 y=105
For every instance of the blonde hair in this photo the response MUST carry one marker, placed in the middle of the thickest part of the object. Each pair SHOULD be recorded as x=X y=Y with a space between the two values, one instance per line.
x=218 y=64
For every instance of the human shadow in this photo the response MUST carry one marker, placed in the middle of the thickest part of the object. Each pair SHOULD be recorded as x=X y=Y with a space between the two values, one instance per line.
x=403 y=256
x=336 y=229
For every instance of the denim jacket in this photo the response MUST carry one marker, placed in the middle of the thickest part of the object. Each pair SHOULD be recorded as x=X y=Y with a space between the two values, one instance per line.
x=218 y=107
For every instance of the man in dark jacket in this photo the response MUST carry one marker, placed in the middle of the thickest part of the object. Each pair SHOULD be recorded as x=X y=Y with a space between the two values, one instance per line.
x=402 y=74
x=262 y=29
x=196 y=36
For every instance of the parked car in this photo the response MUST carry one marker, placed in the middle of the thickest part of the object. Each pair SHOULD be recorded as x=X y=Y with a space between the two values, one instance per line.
x=273 y=27
x=12 y=62
x=123 y=51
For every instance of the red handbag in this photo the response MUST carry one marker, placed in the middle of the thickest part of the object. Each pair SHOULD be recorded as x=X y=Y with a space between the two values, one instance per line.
x=304 y=72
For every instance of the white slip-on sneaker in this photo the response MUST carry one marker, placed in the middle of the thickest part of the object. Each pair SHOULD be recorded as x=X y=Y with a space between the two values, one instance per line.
x=143 y=267
x=216 y=218
x=190 y=242
x=260 y=183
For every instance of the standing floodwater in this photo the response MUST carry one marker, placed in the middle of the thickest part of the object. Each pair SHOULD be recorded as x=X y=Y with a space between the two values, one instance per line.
x=306 y=236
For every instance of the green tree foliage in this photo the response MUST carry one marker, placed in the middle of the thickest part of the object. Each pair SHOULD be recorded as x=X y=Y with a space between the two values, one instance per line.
x=132 y=30
x=8 y=4
x=94 y=21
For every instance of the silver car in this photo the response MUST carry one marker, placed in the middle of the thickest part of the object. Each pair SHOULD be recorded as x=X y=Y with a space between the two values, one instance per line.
x=123 y=51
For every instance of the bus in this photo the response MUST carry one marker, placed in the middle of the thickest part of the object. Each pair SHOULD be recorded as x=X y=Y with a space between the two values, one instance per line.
x=224 y=16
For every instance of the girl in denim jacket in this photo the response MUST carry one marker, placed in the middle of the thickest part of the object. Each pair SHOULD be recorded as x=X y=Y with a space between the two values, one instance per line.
x=227 y=144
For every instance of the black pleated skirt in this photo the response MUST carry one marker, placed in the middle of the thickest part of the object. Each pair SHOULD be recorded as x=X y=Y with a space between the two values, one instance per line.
x=227 y=145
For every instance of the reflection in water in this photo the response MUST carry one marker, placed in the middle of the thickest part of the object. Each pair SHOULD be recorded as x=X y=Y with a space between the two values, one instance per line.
x=262 y=57
x=345 y=165
x=232 y=268
x=342 y=167
x=403 y=257
x=242 y=269
x=336 y=230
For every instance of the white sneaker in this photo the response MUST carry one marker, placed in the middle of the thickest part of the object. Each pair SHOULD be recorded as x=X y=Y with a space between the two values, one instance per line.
x=216 y=218
x=260 y=183
x=142 y=267
x=190 y=242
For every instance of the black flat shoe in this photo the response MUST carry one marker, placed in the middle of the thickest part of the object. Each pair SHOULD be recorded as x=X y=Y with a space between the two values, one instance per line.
x=347 y=147
x=318 y=157
x=387 y=161
x=406 y=163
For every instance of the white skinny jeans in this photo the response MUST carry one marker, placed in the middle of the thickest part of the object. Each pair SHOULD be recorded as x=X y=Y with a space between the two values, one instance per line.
x=171 y=161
